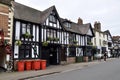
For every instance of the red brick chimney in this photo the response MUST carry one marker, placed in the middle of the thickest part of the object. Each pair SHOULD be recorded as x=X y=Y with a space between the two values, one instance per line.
x=80 y=21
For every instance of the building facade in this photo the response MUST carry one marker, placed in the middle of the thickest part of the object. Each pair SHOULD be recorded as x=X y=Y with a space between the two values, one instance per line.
x=6 y=22
x=44 y=35
x=116 y=44
x=110 y=44
x=80 y=36
x=100 y=39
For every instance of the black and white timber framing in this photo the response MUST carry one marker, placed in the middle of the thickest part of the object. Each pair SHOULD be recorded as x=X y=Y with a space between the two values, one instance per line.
x=62 y=38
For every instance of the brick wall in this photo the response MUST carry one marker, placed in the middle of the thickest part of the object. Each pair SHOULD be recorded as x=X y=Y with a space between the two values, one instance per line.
x=71 y=60
x=5 y=21
x=4 y=9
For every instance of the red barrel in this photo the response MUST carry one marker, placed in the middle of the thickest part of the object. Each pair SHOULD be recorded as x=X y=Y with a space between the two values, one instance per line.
x=28 y=65
x=43 y=64
x=20 y=65
x=36 y=65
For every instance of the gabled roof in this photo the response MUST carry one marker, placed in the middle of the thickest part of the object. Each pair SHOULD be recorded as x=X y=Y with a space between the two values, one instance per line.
x=26 y=13
x=77 y=28
x=84 y=28
x=108 y=32
x=74 y=28
x=46 y=13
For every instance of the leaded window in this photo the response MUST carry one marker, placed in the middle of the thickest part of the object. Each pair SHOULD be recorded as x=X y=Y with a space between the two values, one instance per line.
x=52 y=19
x=25 y=51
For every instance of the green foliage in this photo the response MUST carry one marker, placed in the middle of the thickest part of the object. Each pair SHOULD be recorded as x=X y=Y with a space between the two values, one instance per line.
x=89 y=43
x=49 y=38
x=45 y=43
x=52 y=39
x=56 y=39
x=75 y=42
x=18 y=42
x=27 y=35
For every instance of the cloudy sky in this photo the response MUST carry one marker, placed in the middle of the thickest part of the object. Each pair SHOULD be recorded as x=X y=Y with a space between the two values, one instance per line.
x=105 y=11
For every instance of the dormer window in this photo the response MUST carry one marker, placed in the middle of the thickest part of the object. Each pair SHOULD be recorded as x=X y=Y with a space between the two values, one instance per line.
x=68 y=25
x=52 y=19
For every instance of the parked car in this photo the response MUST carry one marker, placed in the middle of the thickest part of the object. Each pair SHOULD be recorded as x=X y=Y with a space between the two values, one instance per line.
x=109 y=55
x=98 y=55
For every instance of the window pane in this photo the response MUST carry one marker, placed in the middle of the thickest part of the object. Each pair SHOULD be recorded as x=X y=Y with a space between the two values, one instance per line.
x=52 y=19
x=27 y=53
x=27 y=47
x=23 y=28
x=28 y=28
x=21 y=54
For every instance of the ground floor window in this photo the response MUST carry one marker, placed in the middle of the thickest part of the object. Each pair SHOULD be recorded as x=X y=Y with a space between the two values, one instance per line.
x=25 y=51
x=72 y=51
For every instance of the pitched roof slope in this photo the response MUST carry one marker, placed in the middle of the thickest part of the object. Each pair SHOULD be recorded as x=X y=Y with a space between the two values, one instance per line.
x=46 y=13
x=77 y=28
x=26 y=13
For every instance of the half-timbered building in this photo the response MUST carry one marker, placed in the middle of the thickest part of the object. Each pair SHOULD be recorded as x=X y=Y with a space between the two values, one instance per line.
x=37 y=34
x=44 y=35
x=79 y=37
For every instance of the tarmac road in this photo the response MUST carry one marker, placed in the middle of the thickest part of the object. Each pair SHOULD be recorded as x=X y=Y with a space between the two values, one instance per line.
x=109 y=70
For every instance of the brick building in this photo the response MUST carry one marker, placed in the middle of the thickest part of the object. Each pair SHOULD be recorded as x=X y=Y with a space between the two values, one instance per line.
x=6 y=23
x=6 y=19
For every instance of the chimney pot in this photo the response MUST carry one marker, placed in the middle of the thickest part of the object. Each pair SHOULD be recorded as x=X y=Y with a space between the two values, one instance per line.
x=80 y=21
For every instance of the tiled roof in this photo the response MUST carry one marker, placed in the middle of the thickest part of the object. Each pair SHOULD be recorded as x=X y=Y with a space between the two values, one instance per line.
x=7 y=2
x=77 y=28
x=26 y=13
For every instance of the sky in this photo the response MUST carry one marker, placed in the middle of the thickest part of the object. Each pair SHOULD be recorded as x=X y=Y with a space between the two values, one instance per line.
x=107 y=12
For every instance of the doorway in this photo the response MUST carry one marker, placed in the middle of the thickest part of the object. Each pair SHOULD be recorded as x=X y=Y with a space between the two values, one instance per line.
x=51 y=54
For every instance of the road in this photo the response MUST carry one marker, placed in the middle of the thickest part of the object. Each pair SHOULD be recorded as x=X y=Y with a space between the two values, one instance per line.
x=109 y=70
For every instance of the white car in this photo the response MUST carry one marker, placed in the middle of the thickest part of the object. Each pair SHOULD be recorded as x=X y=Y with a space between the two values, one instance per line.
x=109 y=55
x=99 y=55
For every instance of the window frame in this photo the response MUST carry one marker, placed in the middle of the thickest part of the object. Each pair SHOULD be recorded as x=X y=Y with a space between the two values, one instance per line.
x=52 y=19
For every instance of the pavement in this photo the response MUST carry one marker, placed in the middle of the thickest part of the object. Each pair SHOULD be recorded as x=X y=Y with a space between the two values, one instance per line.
x=25 y=75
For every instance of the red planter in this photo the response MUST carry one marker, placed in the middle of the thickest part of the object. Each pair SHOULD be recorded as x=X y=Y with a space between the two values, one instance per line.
x=28 y=65
x=43 y=64
x=36 y=65
x=20 y=65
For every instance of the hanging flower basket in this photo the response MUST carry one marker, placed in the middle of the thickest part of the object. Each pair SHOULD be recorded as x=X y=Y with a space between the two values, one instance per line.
x=56 y=39
x=49 y=39
x=27 y=35
x=45 y=43
x=18 y=42
x=75 y=42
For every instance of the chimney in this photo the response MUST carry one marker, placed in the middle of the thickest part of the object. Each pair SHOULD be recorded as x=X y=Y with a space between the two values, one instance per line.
x=97 y=25
x=80 y=21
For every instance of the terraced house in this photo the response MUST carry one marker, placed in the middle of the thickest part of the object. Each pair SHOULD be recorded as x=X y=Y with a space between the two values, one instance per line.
x=50 y=37
x=44 y=35
x=79 y=40
x=102 y=40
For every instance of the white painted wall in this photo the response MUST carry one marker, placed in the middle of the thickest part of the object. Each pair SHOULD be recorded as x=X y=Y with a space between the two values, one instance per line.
x=100 y=37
